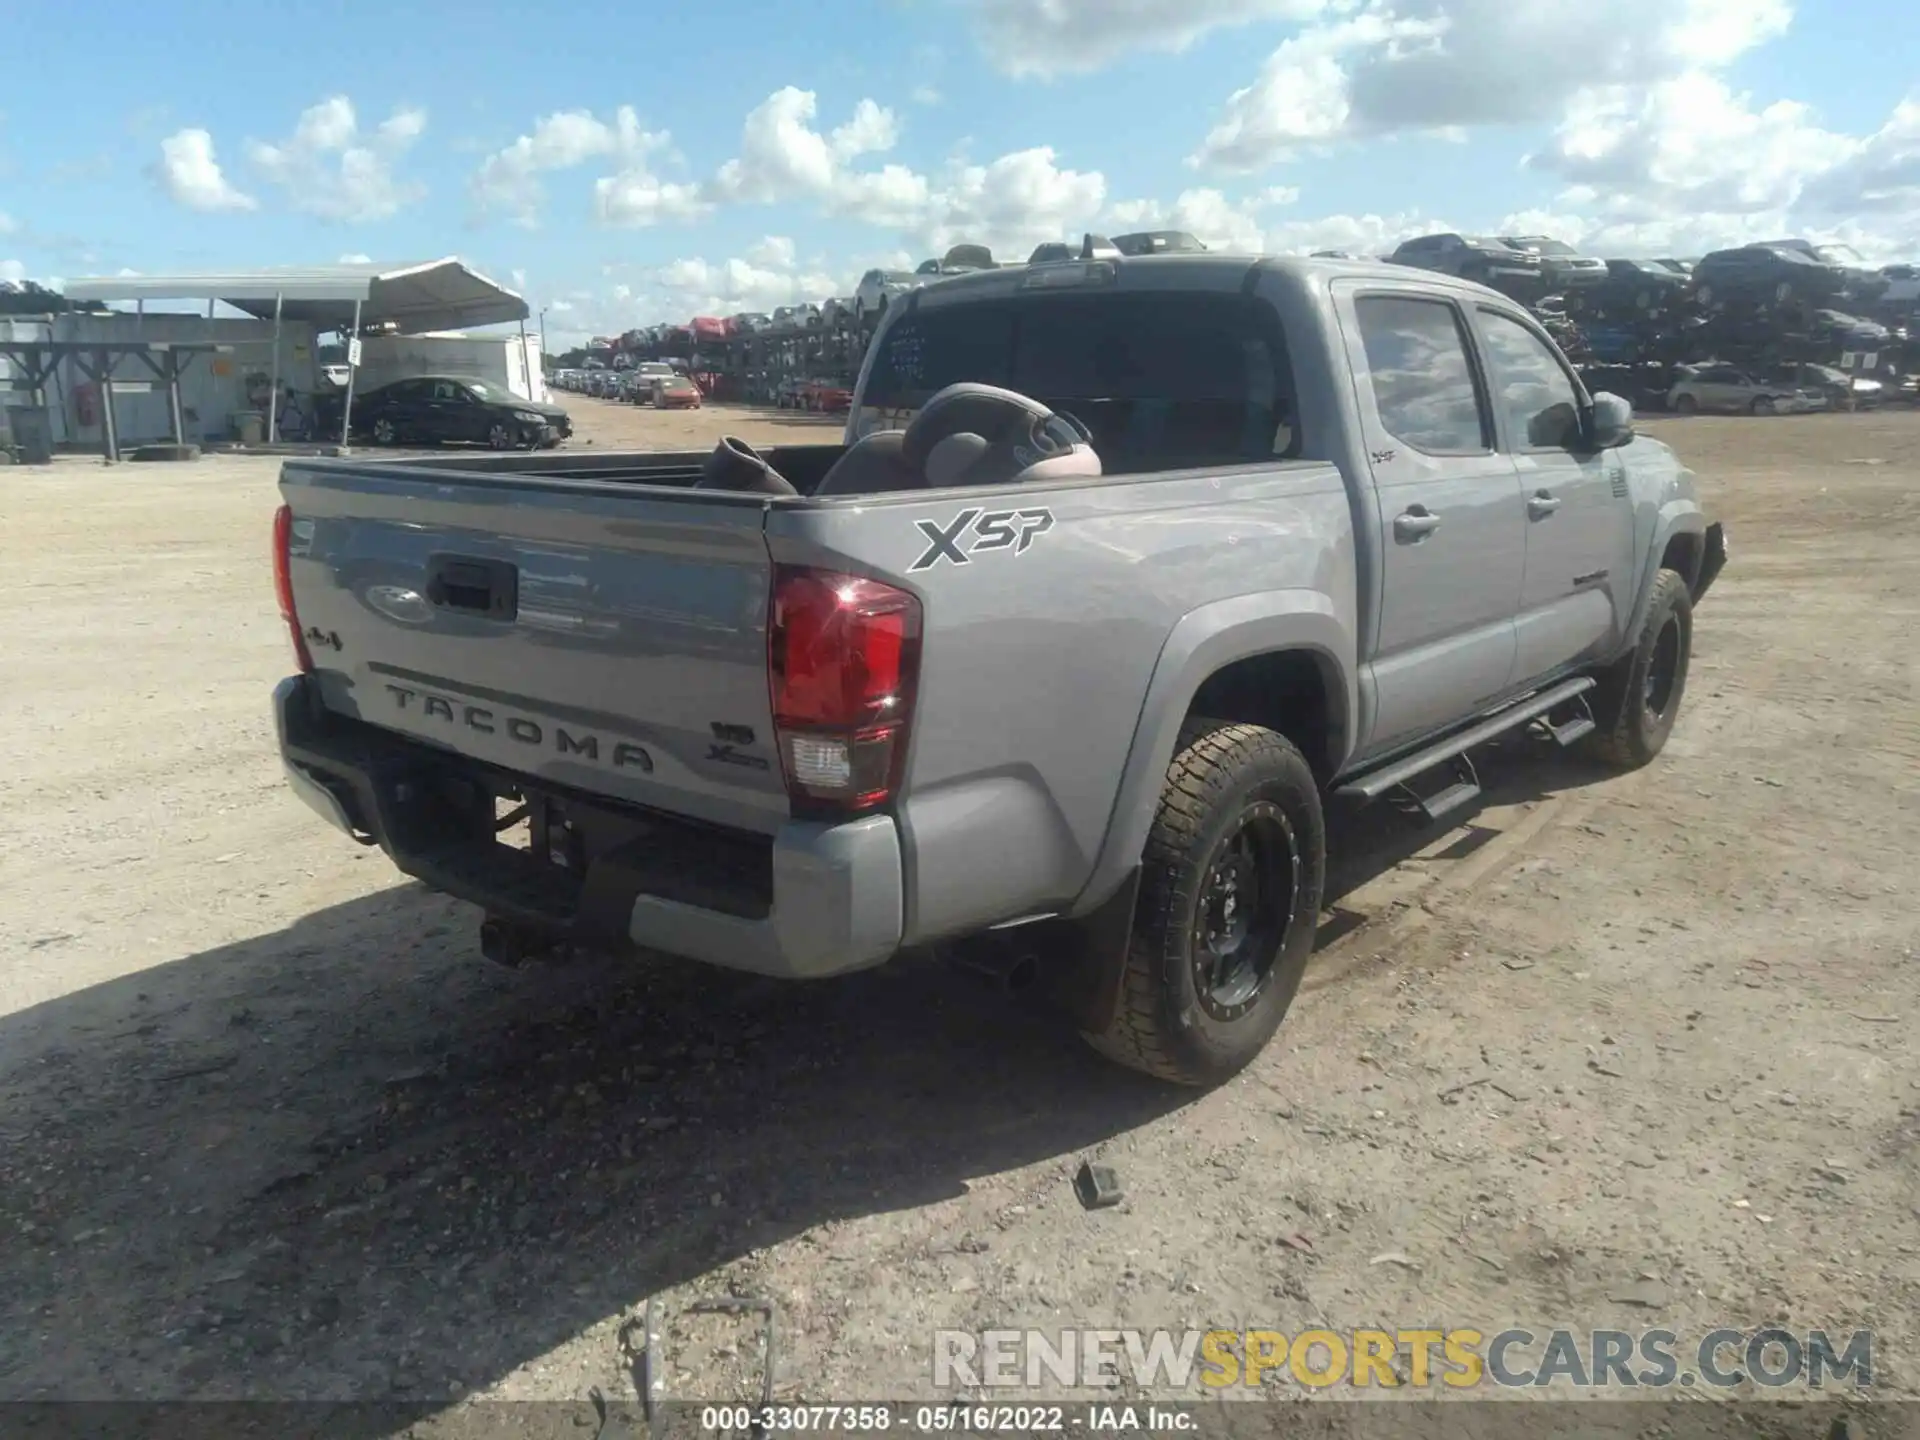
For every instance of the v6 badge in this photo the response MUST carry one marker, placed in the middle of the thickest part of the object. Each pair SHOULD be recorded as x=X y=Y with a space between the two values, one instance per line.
x=972 y=532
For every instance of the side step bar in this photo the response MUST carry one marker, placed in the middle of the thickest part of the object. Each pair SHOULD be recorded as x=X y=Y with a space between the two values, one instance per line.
x=1392 y=777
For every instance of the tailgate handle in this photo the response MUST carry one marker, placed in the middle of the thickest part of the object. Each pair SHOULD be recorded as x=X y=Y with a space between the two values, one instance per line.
x=474 y=587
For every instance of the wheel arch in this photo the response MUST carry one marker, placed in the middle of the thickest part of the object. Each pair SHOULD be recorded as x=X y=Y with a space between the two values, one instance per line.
x=1282 y=659
x=1679 y=543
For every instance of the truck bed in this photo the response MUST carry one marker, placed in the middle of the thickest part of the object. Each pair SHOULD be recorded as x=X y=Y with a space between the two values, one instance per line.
x=803 y=465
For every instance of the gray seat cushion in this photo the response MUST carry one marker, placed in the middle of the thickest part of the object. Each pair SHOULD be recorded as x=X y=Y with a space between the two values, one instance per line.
x=873 y=465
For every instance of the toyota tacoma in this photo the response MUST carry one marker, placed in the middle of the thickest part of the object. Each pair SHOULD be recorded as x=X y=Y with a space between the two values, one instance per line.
x=1126 y=570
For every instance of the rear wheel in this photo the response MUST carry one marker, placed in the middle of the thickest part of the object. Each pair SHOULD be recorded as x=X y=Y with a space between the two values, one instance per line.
x=1229 y=901
x=1638 y=696
x=384 y=433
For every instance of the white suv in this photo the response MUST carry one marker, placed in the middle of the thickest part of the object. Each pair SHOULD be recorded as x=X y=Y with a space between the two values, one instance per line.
x=877 y=287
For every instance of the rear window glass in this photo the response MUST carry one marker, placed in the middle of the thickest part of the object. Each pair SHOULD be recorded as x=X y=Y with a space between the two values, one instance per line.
x=1160 y=380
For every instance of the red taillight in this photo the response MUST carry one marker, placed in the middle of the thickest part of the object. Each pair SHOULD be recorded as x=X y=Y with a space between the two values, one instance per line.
x=844 y=654
x=283 y=584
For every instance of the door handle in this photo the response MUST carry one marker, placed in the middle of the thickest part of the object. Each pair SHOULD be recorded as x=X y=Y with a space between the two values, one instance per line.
x=1415 y=524
x=1541 y=504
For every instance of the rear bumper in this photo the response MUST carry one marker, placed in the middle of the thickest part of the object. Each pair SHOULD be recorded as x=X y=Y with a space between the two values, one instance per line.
x=812 y=900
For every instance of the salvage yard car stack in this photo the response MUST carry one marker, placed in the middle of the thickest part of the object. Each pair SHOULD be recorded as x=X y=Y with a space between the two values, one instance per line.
x=1767 y=309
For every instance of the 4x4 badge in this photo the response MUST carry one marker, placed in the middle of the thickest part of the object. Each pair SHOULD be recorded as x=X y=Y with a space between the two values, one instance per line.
x=1011 y=530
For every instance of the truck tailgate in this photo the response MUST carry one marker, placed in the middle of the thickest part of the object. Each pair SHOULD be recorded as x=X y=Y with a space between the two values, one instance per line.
x=588 y=634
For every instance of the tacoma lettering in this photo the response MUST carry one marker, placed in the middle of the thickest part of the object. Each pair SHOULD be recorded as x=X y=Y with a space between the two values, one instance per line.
x=567 y=745
x=622 y=755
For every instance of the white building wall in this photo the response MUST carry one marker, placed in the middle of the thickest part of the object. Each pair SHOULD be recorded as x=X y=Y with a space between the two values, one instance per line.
x=213 y=387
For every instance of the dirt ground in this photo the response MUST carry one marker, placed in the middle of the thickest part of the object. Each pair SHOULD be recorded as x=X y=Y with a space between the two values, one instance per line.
x=1627 y=1051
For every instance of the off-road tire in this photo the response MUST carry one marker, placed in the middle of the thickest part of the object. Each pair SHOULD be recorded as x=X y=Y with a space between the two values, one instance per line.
x=1631 y=733
x=1219 y=773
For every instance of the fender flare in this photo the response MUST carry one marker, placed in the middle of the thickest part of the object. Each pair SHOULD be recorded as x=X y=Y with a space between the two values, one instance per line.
x=1204 y=641
x=1675 y=517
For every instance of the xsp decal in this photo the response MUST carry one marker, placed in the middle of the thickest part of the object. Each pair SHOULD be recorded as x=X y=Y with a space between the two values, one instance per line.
x=1011 y=530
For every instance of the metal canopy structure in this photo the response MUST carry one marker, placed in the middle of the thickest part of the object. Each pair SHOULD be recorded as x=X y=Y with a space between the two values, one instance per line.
x=430 y=295
x=414 y=299
x=96 y=359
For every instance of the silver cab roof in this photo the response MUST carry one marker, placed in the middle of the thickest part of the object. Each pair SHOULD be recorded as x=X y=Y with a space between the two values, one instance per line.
x=1208 y=271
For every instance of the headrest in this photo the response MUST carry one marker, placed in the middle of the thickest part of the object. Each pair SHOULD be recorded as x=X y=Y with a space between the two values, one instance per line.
x=736 y=465
x=983 y=435
x=872 y=465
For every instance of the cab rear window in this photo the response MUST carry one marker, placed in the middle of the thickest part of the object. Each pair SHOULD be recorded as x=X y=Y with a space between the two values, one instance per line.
x=1160 y=380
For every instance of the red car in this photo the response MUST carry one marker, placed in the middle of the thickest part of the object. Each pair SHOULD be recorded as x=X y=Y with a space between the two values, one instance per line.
x=826 y=396
x=679 y=393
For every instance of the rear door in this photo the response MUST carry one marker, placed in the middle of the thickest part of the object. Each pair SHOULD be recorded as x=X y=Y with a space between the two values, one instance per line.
x=1450 y=513
x=589 y=634
x=1717 y=387
x=397 y=404
x=1579 y=521
x=452 y=413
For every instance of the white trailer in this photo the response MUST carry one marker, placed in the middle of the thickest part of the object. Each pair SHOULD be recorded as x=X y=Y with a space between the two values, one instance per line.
x=510 y=361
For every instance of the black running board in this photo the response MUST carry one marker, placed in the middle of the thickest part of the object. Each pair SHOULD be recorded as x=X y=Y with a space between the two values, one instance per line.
x=1373 y=785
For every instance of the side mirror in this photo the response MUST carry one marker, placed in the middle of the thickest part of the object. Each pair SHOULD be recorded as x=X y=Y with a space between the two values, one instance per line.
x=1610 y=422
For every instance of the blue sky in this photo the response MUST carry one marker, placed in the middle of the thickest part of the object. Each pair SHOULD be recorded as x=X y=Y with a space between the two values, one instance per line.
x=652 y=161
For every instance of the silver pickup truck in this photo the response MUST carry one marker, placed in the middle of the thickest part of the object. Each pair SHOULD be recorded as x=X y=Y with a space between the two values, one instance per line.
x=1128 y=569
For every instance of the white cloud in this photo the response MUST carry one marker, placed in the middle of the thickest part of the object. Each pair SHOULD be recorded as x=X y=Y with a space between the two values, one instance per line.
x=331 y=168
x=776 y=252
x=356 y=259
x=190 y=174
x=1045 y=38
x=1689 y=144
x=637 y=197
x=1219 y=223
x=1690 y=164
x=1430 y=66
x=1356 y=234
x=1882 y=175
x=7 y=223
x=508 y=180
x=782 y=157
x=1010 y=204
x=925 y=95
x=12 y=272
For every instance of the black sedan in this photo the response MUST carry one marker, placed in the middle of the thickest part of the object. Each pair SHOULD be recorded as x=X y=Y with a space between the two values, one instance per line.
x=434 y=409
x=1766 y=273
x=1634 y=288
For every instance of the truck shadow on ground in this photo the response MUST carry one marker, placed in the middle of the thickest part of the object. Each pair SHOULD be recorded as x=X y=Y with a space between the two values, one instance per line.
x=351 y=1159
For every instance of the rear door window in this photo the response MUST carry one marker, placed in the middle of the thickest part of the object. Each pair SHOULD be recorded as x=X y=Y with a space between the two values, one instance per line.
x=1160 y=380
x=1423 y=381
